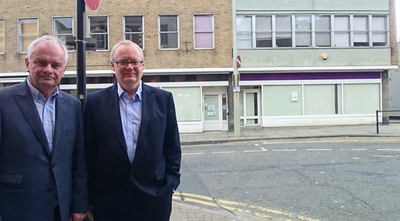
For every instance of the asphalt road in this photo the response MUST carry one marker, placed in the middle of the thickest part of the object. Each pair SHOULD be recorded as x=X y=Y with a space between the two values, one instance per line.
x=332 y=179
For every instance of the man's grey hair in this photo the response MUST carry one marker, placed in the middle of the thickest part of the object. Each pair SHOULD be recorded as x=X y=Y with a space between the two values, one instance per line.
x=125 y=42
x=50 y=40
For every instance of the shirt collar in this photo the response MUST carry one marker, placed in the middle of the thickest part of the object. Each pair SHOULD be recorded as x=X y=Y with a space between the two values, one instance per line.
x=36 y=93
x=138 y=91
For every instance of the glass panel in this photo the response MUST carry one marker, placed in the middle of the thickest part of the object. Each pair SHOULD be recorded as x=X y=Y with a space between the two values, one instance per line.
x=322 y=23
x=285 y=100
x=1 y=45
x=284 y=23
x=102 y=41
x=303 y=23
x=251 y=105
x=360 y=23
x=224 y=107
x=284 y=39
x=203 y=23
x=169 y=23
x=243 y=23
x=379 y=23
x=361 y=39
x=211 y=108
x=244 y=40
x=379 y=39
x=264 y=40
x=187 y=103
x=204 y=40
x=342 y=40
x=25 y=42
x=29 y=27
x=263 y=23
x=133 y=24
x=319 y=99
x=137 y=38
x=303 y=39
x=323 y=39
x=361 y=98
x=241 y=104
x=98 y=24
x=63 y=26
x=169 y=40
x=1 y=28
x=342 y=23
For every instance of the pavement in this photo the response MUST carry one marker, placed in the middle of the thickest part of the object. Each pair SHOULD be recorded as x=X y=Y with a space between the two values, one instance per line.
x=185 y=211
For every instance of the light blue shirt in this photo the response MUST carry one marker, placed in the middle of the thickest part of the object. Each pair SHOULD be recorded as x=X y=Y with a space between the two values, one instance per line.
x=131 y=117
x=46 y=110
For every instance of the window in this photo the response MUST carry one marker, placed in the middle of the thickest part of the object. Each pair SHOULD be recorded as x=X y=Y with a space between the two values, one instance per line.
x=98 y=29
x=133 y=29
x=203 y=31
x=63 y=27
x=342 y=31
x=283 y=31
x=244 y=31
x=303 y=31
x=263 y=31
x=379 y=31
x=1 y=36
x=169 y=32
x=360 y=31
x=322 y=30
x=28 y=32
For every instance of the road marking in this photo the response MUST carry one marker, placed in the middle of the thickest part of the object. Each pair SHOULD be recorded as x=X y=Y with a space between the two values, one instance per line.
x=256 y=144
x=388 y=149
x=224 y=152
x=284 y=150
x=318 y=149
x=234 y=206
x=332 y=141
x=192 y=153
x=252 y=151
x=354 y=149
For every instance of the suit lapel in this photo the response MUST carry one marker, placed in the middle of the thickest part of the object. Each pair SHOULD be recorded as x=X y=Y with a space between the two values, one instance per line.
x=61 y=113
x=115 y=114
x=27 y=106
x=147 y=111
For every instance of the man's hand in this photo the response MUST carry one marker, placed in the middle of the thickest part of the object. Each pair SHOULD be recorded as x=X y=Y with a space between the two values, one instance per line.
x=77 y=216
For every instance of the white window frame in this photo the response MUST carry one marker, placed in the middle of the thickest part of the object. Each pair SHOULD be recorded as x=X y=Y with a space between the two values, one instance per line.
x=327 y=31
x=168 y=32
x=310 y=32
x=134 y=33
x=54 y=30
x=365 y=32
x=105 y=33
x=19 y=32
x=255 y=32
x=3 y=36
x=194 y=31
x=386 y=31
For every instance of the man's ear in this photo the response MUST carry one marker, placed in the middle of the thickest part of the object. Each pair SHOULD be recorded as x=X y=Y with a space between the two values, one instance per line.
x=112 y=65
x=27 y=64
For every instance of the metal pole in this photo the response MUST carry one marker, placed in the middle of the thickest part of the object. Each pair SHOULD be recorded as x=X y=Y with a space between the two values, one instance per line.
x=80 y=51
x=236 y=105
x=377 y=123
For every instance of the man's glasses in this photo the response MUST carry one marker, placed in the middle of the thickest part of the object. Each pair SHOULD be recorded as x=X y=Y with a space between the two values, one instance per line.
x=124 y=64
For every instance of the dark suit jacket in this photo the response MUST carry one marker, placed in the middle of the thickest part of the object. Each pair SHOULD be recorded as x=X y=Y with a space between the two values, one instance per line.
x=113 y=181
x=32 y=179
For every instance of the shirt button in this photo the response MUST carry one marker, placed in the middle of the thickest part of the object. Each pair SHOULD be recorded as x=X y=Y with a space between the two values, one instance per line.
x=130 y=135
x=47 y=122
x=129 y=119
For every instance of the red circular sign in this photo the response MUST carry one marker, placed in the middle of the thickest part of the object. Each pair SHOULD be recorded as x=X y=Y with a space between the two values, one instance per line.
x=93 y=4
x=239 y=62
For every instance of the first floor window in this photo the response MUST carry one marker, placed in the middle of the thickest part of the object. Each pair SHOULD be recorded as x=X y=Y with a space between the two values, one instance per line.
x=169 y=32
x=98 y=29
x=63 y=27
x=203 y=31
x=133 y=29
x=28 y=32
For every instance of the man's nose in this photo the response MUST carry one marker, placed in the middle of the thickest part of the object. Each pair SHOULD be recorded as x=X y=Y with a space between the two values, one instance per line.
x=48 y=68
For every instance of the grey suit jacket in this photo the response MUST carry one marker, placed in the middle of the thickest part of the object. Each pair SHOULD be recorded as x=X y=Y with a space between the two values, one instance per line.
x=32 y=179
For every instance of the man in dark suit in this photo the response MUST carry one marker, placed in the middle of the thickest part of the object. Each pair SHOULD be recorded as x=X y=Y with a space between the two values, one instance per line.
x=42 y=163
x=132 y=144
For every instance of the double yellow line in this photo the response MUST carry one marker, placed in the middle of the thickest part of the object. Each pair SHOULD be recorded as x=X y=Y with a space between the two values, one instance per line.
x=235 y=206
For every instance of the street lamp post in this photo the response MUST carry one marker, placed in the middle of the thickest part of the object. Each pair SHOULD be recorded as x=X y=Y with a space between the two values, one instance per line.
x=80 y=51
x=236 y=89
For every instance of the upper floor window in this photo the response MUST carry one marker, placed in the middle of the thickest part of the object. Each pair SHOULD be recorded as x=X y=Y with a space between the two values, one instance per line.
x=360 y=31
x=263 y=31
x=168 y=32
x=203 y=31
x=98 y=29
x=322 y=30
x=28 y=31
x=244 y=31
x=283 y=31
x=63 y=27
x=303 y=31
x=133 y=29
x=379 y=31
x=342 y=31
x=1 y=36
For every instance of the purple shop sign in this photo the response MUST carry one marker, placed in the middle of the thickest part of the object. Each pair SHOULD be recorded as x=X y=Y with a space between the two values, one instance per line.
x=310 y=76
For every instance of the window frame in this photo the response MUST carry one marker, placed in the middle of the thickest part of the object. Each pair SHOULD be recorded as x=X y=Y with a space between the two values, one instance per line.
x=133 y=33
x=195 y=32
x=54 y=30
x=21 y=36
x=168 y=32
x=3 y=36
x=106 y=33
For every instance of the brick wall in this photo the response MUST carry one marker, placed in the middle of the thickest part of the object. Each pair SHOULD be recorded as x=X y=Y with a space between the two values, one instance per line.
x=45 y=10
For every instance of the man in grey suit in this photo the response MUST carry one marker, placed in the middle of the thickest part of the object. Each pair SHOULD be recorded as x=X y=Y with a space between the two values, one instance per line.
x=42 y=163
